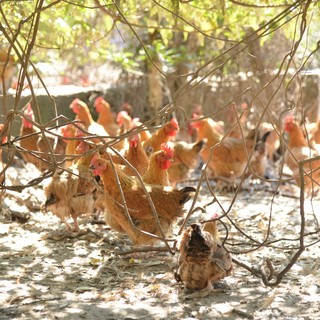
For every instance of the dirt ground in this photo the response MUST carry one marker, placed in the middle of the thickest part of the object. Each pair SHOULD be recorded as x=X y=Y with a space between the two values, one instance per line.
x=47 y=273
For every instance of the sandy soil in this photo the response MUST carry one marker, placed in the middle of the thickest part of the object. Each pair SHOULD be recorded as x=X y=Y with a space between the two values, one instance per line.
x=47 y=273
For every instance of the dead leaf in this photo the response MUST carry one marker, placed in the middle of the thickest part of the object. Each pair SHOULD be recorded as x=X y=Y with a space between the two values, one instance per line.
x=268 y=301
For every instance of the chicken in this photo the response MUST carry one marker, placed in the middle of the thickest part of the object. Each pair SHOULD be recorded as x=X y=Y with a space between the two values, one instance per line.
x=299 y=150
x=162 y=135
x=83 y=114
x=237 y=123
x=168 y=204
x=35 y=146
x=106 y=118
x=144 y=133
x=185 y=159
x=7 y=63
x=315 y=133
x=259 y=159
x=160 y=162
x=272 y=142
x=229 y=156
x=136 y=156
x=125 y=124
x=70 y=193
x=203 y=260
x=71 y=131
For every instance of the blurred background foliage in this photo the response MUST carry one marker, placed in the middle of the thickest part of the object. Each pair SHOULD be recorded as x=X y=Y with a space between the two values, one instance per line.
x=173 y=44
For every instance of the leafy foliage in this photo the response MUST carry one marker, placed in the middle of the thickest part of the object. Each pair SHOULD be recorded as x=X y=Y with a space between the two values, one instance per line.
x=86 y=32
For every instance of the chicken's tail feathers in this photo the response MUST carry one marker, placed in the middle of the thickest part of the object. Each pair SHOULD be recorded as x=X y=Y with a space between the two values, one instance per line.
x=199 y=145
x=186 y=194
x=265 y=136
x=49 y=201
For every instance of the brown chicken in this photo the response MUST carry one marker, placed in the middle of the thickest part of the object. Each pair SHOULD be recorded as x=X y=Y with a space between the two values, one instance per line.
x=125 y=124
x=272 y=142
x=83 y=114
x=70 y=193
x=160 y=162
x=229 y=156
x=168 y=204
x=259 y=159
x=162 y=135
x=144 y=133
x=203 y=260
x=36 y=147
x=70 y=131
x=315 y=133
x=136 y=156
x=299 y=150
x=106 y=118
x=185 y=159
x=237 y=122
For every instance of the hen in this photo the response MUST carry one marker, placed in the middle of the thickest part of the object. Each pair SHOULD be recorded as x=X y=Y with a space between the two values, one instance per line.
x=203 y=260
x=160 y=162
x=70 y=193
x=83 y=114
x=185 y=159
x=35 y=146
x=144 y=133
x=168 y=204
x=259 y=160
x=162 y=135
x=299 y=150
x=229 y=156
x=106 y=118
x=136 y=156
x=71 y=132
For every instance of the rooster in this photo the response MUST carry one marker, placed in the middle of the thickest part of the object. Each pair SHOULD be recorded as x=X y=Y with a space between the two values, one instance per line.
x=203 y=260
x=35 y=147
x=162 y=135
x=299 y=150
x=139 y=215
x=70 y=192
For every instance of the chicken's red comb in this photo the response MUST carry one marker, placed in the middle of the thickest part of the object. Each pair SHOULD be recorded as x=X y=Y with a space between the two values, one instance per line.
x=94 y=159
x=133 y=141
x=99 y=100
x=135 y=137
x=83 y=146
x=65 y=130
x=212 y=216
x=120 y=116
x=289 y=119
x=28 y=111
x=167 y=149
x=174 y=122
x=195 y=116
x=75 y=101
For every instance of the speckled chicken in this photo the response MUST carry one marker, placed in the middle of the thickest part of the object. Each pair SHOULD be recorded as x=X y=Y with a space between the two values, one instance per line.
x=70 y=193
x=203 y=261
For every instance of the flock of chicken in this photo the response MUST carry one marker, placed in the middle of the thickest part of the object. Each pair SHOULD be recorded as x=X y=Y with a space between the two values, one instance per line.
x=118 y=167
